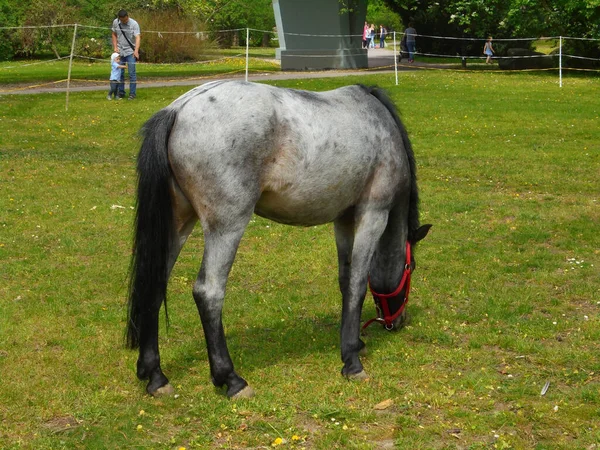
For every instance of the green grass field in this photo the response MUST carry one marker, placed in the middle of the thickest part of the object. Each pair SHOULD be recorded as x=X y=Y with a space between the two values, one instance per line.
x=218 y=61
x=506 y=296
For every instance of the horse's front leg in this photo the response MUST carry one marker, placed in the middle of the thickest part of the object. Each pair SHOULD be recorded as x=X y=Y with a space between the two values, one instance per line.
x=367 y=232
x=344 y=240
x=209 y=292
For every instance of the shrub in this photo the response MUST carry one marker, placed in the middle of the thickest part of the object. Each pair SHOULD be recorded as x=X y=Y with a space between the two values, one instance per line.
x=523 y=58
x=54 y=38
x=93 y=47
x=170 y=37
x=587 y=52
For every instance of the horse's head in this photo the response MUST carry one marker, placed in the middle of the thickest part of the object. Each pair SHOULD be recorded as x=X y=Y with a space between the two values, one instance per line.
x=390 y=307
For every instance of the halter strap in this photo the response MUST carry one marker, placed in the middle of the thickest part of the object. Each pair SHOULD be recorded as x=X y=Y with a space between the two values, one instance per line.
x=381 y=300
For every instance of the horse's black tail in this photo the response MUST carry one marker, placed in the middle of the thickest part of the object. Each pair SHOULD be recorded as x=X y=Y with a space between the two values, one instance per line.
x=413 y=208
x=153 y=226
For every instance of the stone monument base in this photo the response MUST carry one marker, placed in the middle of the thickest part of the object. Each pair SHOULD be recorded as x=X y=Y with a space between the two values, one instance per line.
x=323 y=59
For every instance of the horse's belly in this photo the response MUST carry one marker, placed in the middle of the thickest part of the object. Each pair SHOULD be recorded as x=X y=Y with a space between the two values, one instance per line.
x=305 y=210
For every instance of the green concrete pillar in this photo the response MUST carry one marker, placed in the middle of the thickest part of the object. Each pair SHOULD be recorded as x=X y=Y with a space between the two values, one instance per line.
x=316 y=34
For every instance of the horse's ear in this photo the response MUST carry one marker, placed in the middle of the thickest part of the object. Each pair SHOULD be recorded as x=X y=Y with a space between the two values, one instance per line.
x=420 y=233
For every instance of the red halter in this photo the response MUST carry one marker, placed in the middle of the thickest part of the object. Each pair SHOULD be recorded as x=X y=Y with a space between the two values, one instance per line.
x=381 y=300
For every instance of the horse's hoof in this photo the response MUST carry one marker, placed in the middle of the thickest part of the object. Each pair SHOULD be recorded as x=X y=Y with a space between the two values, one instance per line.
x=164 y=391
x=247 y=392
x=360 y=376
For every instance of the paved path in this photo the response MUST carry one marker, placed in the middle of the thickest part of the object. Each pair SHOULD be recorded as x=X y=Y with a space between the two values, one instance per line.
x=380 y=61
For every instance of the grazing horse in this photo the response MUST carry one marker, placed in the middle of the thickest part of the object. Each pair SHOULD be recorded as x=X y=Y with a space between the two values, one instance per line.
x=228 y=149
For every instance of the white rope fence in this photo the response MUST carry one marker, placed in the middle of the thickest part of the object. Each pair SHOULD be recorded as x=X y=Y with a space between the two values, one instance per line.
x=105 y=32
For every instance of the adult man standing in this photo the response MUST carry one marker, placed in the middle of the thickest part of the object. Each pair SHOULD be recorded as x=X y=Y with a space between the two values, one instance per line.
x=411 y=43
x=126 y=41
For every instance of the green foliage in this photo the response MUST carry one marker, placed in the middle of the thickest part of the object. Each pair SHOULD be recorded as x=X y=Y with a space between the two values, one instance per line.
x=380 y=14
x=93 y=45
x=224 y=14
x=225 y=18
x=501 y=19
x=10 y=16
x=28 y=42
x=577 y=18
x=230 y=15
x=198 y=15
x=98 y=12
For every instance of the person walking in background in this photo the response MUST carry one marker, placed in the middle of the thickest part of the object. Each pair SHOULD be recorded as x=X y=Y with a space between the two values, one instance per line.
x=382 y=35
x=372 y=36
x=116 y=71
x=403 y=49
x=126 y=37
x=411 y=42
x=488 y=50
x=366 y=31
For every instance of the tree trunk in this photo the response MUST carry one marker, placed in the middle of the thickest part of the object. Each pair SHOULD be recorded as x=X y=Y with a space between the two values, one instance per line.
x=266 y=39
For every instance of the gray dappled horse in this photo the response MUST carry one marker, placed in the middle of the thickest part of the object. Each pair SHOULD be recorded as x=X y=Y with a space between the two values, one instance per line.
x=228 y=149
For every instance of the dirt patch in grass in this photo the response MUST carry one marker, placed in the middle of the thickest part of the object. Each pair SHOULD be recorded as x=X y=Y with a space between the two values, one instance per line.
x=61 y=424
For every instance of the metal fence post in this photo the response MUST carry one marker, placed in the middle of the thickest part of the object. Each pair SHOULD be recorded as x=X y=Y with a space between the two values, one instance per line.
x=70 y=66
x=247 y=49
x=560 y=61
x=395 y=59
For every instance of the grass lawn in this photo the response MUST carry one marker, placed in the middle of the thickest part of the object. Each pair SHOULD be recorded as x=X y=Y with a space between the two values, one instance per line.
x=218 y=61
x=506 y=296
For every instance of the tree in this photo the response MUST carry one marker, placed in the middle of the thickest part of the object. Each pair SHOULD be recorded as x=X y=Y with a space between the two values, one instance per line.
x=10 y=16
x=223 y=14
x=453 y=18
x=50 y=15
x=499 y=18
x=380 y=14
x=219 y=15
x=526 y=18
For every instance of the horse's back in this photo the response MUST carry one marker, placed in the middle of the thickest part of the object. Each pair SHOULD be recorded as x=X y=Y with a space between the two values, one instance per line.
x=297 y=157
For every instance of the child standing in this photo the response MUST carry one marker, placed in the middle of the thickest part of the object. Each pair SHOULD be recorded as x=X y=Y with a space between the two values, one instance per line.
x=115 y=76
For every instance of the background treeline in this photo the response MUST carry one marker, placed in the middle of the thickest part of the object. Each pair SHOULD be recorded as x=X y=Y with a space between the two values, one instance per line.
x=502 y=19
x=206 y=18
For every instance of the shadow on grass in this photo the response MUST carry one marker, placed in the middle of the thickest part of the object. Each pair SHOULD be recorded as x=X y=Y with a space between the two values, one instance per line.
x=257 y=346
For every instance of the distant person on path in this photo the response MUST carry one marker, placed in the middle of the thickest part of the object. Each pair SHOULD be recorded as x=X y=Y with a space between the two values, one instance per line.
x=116 y=72
x=366 y=31
x=372 y=36
x=126 y=38
x=488 y=50
x=411 y=42
x=382 y=35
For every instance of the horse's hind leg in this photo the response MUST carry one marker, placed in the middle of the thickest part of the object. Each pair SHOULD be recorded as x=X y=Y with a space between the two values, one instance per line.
x=220 y=247
x=148 y=364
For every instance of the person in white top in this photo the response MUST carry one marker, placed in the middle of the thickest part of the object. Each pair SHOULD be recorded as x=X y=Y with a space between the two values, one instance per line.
x=126 y=37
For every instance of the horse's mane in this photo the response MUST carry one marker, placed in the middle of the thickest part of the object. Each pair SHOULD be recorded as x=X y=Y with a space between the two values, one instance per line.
x=413 y=208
